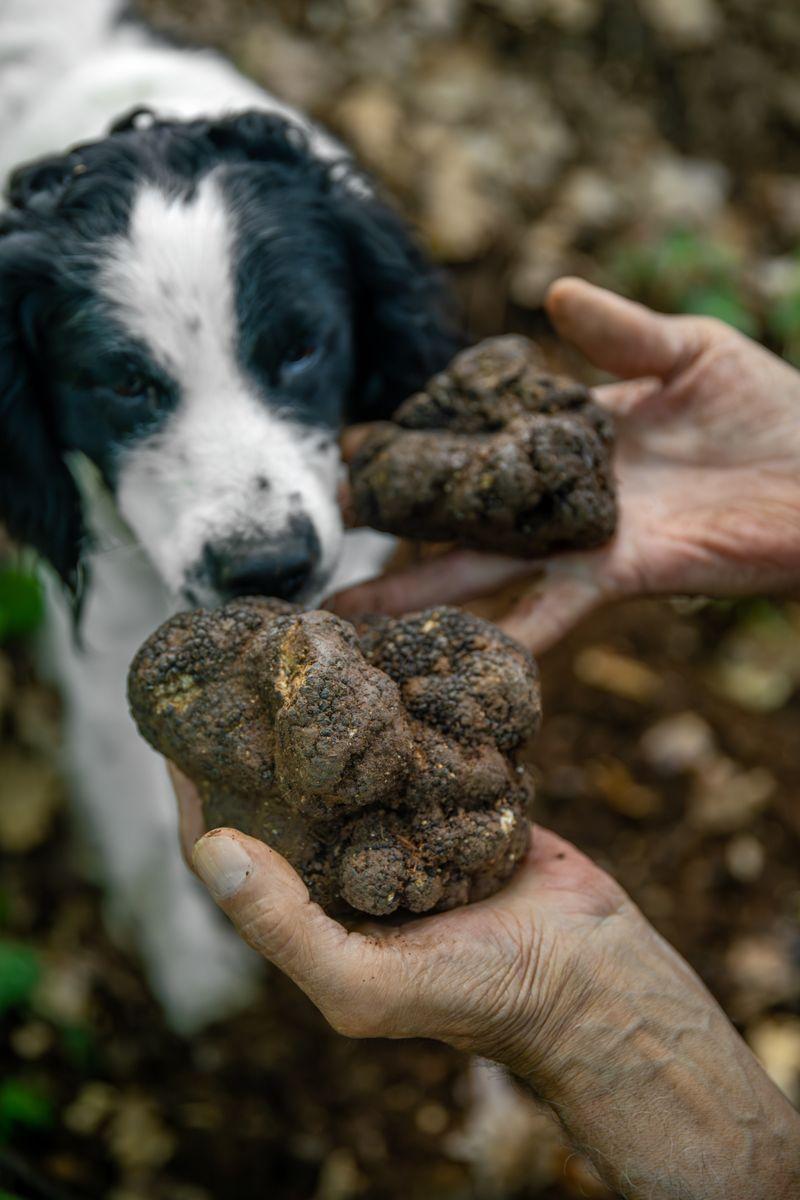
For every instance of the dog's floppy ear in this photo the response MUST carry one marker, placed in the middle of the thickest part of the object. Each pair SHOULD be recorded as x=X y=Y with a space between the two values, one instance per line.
x=404 y=332
x=39 y=502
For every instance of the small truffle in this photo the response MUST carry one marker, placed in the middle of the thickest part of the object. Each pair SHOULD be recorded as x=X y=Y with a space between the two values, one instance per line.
x=379 y=758
x=497 y=454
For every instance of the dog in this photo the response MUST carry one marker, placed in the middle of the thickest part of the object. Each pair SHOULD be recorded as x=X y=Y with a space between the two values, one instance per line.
x=194 y=299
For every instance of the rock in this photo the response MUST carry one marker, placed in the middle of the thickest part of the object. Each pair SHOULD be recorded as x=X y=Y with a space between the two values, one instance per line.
x=607 y=669
x=763 y=972
x=462 y=96
x=726 y=797
x=780 y=195
x=614 y=782
x=371 y=119
x=589 y=202
x=37 y=719
x=138 y=1137
x=439 y=17
x=775 y=1041
x=340 y=1177
x=458 y=216
x=292 y=67
x=544 y=255
x=91 y=1108
x=678 y=743
x=685 y=24
x=745 y=858
x=758 y=663
x=510 y=1141
x=574 y=16
x=32 y=1040
x=682 y=191
x=64 y=992
x=431 y=1119
x=30 y=796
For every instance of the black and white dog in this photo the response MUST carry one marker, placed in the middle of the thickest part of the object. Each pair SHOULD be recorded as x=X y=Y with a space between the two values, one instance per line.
x=192 y=302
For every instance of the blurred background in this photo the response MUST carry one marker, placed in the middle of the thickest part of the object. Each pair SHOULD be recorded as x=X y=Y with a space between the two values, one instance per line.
x=653 y=146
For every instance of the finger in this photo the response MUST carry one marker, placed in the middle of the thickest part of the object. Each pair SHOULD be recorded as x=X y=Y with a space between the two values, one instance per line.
x=191 y=824
x=622 y=399
x=618 y=335
x=352 y=440
x=346 y=506
x=359 y=985
x=269 y=905
x=451 y=578
x=547 y=613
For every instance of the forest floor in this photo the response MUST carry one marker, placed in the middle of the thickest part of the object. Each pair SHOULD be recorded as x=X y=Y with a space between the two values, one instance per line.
x=654 y=148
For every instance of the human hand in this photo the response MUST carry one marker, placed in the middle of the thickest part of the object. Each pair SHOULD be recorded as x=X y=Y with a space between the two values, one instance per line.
x=708 y=473
x=558 y=976
x=475 y=977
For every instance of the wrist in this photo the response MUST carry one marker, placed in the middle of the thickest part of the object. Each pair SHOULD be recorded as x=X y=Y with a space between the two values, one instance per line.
x=653 y=1080
x=543 y=1029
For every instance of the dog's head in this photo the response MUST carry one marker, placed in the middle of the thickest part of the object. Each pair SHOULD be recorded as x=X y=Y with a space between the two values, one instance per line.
x=196 y=307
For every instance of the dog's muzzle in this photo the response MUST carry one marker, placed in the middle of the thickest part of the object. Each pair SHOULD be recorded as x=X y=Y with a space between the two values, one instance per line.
x=283 y=567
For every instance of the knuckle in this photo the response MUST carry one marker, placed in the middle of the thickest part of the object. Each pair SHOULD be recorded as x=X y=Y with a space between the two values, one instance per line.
x=269 y=931
x=714 y=330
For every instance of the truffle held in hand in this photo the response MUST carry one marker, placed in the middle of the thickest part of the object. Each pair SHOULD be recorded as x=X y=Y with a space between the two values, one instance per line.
x=379 y=759
x=497 y=454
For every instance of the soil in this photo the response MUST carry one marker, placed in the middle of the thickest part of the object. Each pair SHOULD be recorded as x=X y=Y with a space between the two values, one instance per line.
x=496 y=453
x=380 y=759
x=527 y=138
x=668 y=752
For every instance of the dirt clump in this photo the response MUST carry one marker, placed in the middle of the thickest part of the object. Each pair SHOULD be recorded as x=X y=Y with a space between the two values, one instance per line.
x=380 y=759
x=497 y=453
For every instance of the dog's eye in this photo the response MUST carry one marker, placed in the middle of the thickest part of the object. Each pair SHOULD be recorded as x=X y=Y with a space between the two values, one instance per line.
x=140 y=389
x=299 y=358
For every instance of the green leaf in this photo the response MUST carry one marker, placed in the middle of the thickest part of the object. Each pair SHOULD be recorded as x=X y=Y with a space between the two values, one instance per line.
x=79 y=1046
x=22 y=1104
x=783 y=317
x=21 y=603
x=724 y=304
x=19 y=974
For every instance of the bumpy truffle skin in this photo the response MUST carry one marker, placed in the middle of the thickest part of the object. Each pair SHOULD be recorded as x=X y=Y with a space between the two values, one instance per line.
x=379 y=759
x=497 y=454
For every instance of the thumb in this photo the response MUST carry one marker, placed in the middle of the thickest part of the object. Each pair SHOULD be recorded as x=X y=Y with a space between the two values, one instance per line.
x=567 y=594
x=618 y=335
x=353 y=438
x=270 y=907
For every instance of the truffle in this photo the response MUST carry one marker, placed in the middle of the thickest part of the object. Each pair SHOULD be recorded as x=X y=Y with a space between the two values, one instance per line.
x=497 y=454
x=379 y=758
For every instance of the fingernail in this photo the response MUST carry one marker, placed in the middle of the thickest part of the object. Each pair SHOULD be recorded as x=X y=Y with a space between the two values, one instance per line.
x=222 y=863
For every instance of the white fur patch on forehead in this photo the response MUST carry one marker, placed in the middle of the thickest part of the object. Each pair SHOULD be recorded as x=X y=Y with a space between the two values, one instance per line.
x=170 y=278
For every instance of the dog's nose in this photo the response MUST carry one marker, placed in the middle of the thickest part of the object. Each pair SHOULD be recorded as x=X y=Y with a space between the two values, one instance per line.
x=280 y=570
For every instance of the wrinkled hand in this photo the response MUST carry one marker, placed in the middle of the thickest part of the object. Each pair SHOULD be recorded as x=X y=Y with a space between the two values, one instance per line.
x=558 y=976
x=708 y=471
x=500 y=978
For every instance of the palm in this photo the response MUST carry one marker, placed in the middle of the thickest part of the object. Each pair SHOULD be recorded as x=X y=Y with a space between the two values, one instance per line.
x=707 y=472
x=708 y=464
x=521 y=946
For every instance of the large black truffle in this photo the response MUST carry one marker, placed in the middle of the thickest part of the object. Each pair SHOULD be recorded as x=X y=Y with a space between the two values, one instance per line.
x=497 y=454
x=379 y=759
